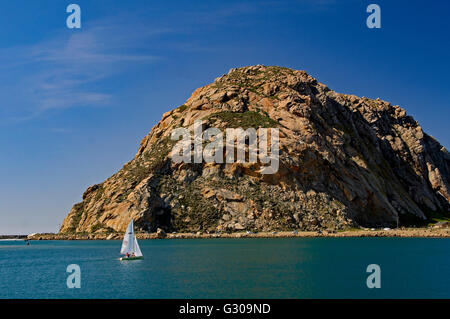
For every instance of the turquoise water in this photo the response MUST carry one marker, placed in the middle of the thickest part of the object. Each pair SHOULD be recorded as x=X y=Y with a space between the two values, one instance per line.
x=229 y=268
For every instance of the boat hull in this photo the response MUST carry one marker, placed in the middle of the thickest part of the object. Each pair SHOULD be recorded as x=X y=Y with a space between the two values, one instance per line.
x=131 y=258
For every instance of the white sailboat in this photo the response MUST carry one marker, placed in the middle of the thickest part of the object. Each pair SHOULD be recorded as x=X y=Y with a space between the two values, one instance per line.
x=130 y=247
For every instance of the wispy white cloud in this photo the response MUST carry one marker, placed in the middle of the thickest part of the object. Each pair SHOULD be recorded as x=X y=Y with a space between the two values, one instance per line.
x=60 y=130
x=62 y=72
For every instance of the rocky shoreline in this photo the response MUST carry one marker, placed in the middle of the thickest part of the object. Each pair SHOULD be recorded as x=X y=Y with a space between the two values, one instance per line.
x=407 y=232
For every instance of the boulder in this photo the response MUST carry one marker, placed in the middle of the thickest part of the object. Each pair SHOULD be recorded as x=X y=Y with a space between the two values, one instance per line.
x=160 y=233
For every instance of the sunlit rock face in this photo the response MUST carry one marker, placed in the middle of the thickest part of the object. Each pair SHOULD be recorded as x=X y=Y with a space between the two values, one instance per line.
x=344 y=161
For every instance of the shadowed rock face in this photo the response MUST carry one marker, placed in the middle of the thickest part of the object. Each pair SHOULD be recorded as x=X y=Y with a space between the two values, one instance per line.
x=344 y=161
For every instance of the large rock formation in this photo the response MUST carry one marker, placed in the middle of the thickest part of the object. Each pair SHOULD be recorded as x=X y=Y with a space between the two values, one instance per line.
x=344 y=161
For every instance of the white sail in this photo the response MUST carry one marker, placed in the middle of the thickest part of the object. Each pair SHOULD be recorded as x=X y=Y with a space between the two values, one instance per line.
x=130 y=244
x=137 y=250
x=128 y=240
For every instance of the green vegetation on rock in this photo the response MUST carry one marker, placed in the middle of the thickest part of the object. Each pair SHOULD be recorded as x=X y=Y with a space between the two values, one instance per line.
x=249 y=119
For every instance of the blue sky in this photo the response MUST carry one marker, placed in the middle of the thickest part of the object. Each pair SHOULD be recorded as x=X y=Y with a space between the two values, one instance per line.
x=74 y=104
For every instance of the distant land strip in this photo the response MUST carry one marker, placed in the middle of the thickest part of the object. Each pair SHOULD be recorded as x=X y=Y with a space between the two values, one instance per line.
x=13 y=237
x=406 y=232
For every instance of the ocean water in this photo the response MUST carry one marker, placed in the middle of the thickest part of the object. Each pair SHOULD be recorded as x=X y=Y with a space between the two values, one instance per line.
x=229 y=268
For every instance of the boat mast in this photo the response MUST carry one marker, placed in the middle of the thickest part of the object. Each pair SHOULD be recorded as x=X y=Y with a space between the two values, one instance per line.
x=132 y=238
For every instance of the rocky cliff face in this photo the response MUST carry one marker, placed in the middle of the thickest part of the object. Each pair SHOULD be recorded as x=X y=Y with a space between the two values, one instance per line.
x=344 y=161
